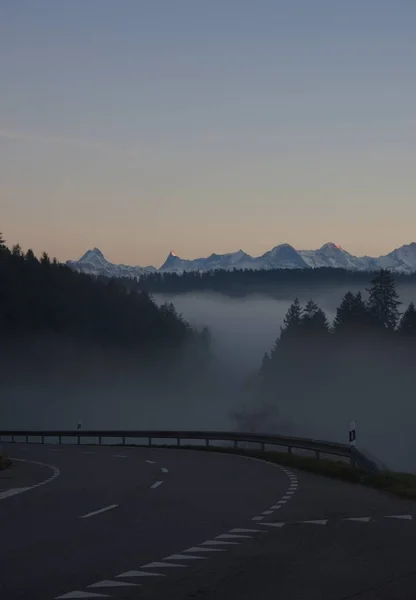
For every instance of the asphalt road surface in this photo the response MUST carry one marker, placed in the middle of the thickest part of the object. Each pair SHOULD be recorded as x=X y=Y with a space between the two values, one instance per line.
x=132 y=523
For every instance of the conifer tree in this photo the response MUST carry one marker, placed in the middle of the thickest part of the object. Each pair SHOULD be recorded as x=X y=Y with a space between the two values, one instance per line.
x=383 y=301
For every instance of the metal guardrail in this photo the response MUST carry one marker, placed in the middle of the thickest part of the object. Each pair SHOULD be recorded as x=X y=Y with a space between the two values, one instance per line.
x=318 y=447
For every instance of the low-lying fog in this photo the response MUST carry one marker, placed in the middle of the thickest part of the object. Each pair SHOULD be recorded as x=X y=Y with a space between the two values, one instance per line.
x=106 y=390
x=244 y=328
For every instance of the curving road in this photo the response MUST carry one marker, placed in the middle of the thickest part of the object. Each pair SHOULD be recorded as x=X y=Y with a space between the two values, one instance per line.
x=128 y=523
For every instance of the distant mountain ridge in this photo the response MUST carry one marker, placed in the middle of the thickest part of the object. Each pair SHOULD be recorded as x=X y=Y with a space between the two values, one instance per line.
x=283 y=256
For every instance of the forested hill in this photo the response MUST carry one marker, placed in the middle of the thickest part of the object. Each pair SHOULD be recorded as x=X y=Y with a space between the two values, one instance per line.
x=40 y=297
x=242 y=282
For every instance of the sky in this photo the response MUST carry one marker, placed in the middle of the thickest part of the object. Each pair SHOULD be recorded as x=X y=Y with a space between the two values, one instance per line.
x=144 y=126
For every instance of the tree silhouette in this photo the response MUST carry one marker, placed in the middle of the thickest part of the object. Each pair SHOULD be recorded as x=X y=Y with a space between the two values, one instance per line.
x=351 y=314
x=383 y=301
x=314 y=320
x=407 y=326
x=44 y=297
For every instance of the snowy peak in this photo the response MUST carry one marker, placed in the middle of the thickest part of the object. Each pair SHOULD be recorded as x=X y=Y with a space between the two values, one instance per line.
x=331 y=247
x=331 y=255
x=174 y=263
x=94 y=262
x=282 y=256
x=92 y=256
x=402 y=259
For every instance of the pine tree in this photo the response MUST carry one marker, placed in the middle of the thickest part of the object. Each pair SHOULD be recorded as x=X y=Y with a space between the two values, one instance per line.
x=383 y=301
x=407 y=326
x=351 y=314
x=293 y=316
x=45 y=260
x=3 y=248
x=291 y=327
x=314 y=319
x=31 y=258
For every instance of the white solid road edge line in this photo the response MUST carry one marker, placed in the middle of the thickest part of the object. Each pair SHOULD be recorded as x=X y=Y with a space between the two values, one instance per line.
x=98 y=512
x=156 y=485
x=15 y=491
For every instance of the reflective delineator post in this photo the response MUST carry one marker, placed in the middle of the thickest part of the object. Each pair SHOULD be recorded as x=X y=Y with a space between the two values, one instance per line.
x=352 y=436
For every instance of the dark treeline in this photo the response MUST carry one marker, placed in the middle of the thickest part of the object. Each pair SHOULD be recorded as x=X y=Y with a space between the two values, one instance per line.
x=359 y=367
x=245 y=281
x=74 y=347
x=39 y=297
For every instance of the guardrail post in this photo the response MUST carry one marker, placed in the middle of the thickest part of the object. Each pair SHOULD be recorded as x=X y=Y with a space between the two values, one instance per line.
x=27 y=439
x=352 y=462
x=124 y=440
x=99 y=440
x=207 y=442
x=289 y=449
x=236 y=444
x=12 y=438
x=43 y=439
x=60 y=439
x=78 y=439
x=317 y=454
x=178 y=441
x=150 y=441
x=262 y=446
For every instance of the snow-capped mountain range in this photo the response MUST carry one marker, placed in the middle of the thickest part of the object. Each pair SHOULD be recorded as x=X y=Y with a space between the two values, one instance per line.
x=283 y=256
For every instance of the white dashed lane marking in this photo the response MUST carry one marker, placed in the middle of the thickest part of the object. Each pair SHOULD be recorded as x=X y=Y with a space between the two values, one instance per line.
x=98 y=512
x=221 y=543
x=218 y=542
x=159 y=565
x=198 y=549
x=230 y=536
x=239 y=530
x=110 y=583
x=79 y=594
x=141 y=574
x=150 y=462
x=185 y=557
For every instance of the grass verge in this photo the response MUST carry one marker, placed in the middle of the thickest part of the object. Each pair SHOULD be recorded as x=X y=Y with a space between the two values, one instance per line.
x=402 y=485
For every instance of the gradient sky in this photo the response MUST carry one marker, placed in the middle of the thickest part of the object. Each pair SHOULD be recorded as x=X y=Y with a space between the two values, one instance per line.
x=141 y=126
